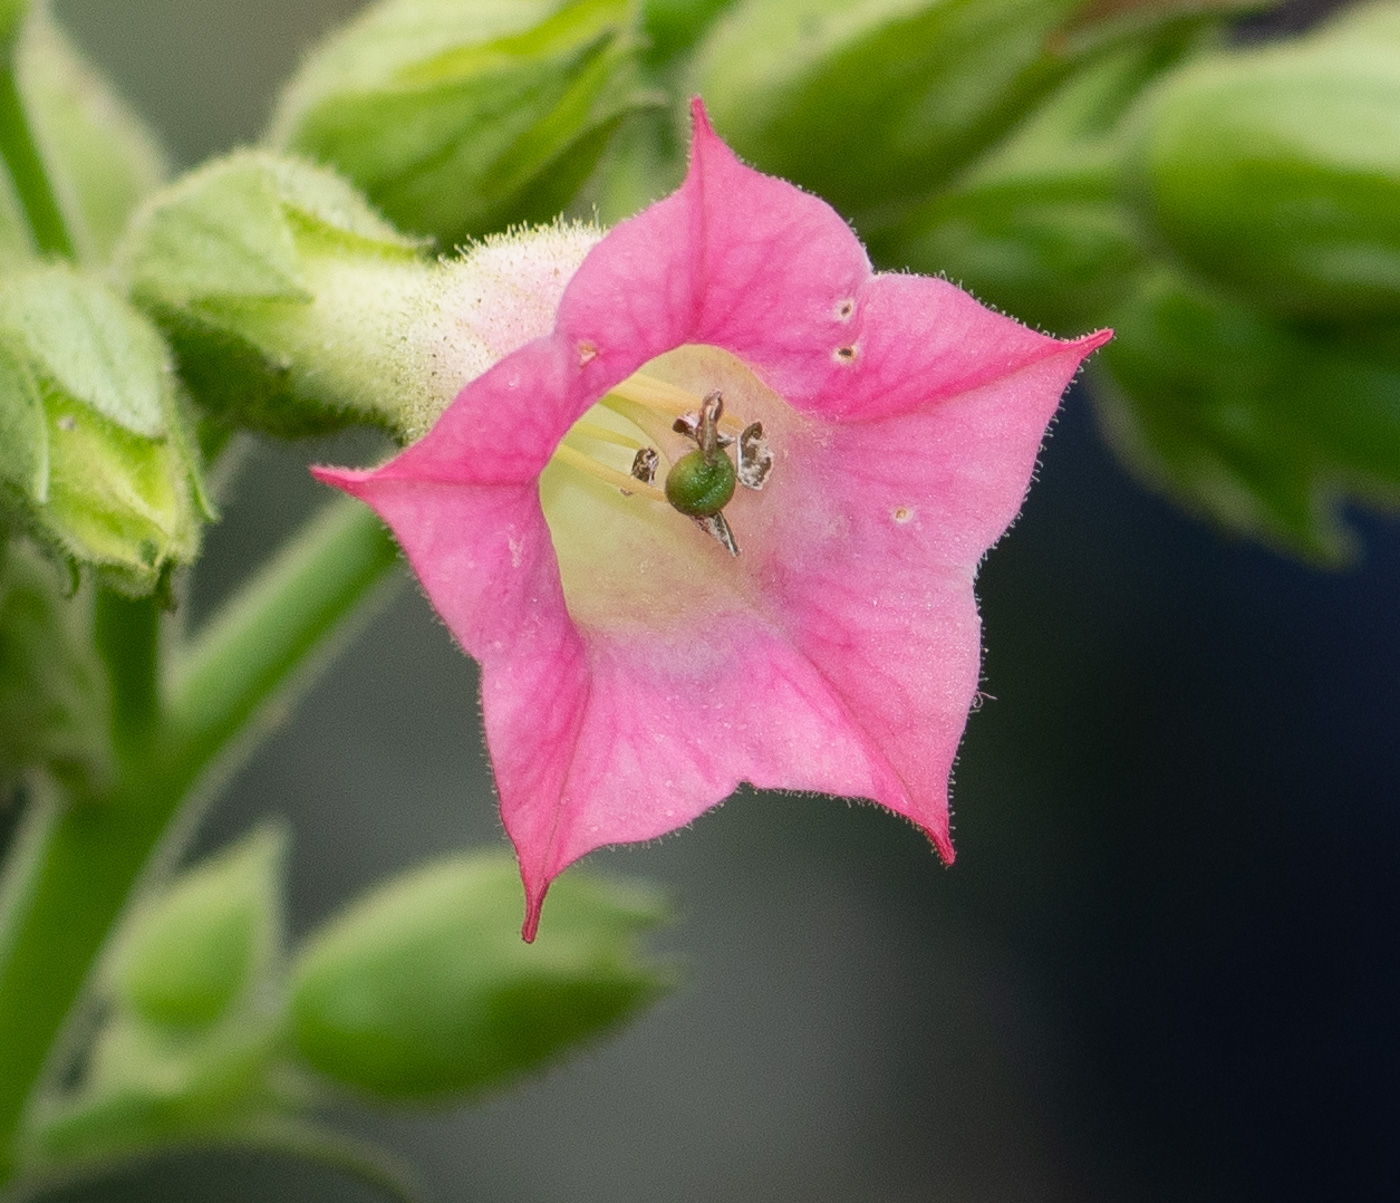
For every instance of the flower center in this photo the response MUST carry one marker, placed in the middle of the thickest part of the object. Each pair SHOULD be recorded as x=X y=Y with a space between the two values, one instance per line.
x=629 y=422
x=644 y=485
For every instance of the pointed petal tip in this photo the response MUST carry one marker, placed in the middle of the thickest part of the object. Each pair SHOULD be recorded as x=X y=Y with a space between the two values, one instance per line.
x=943 y=842
x=346 y=479
x=699 y=119
x=1092 y=342
x=534 y=903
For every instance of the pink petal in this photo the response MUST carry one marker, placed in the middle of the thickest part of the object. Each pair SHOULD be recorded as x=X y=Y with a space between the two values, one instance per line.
x=840 y=652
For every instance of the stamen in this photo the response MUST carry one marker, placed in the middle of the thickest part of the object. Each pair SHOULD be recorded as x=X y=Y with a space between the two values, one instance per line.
x=755 y=458
x=718 y=529
x=625 y=484
x=604 y=434
x=644 y=465
x=663 y=398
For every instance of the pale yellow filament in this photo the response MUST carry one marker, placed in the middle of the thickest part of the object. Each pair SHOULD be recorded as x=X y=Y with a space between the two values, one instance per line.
x=661 y=397
x=576 y=459
x=604 y=434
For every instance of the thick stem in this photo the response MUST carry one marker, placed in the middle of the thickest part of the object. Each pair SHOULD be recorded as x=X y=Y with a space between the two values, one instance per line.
x=266 y=636
x=21 y=154
x=127 y=633
x=76 y=871
x=11 y=14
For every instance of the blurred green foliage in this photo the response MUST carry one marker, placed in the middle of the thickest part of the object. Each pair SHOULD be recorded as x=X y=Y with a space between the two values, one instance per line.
x=102 y=467
x=1232 y=210
x=424 y=988
x=459 y=119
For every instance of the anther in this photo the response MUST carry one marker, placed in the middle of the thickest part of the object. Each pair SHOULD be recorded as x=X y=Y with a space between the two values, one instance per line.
x=644 y=465
x=717 y=528
x=755 y=457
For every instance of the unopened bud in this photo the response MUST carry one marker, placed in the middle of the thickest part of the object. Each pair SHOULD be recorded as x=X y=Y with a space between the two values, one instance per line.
x=425 y=988
x=99 y=462
x=294 y=307
x=461 y=118
x=205 y=944
x=195 y=1016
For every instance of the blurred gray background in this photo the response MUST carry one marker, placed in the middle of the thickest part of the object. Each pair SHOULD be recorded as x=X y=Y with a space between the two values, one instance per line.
x=1163 y=968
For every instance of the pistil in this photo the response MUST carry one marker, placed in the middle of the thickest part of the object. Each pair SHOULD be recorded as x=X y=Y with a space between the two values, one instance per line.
x=699 y=483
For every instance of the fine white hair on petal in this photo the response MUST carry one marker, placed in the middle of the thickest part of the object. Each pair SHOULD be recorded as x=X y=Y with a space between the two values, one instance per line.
x=491 y=300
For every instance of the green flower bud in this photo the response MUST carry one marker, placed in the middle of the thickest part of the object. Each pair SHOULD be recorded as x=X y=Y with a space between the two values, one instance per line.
x=99 y=157
x=196 y=1016
x=1274 y=174
x=458 y=118
x=207 y=943
x=870 y=105
x=1190 y=394
x=272 y=280
x=294 y=307
x=424 y=988
x=98 y=461
x=53 y=692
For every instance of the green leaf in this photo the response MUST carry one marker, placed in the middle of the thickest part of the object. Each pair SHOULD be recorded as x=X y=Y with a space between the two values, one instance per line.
x=1273 y=173
x=210 y=940
x=1341 y=392
x=88 y=343
x=424 y=988
x=99 y=156
x=1189 y=394
x=674 y=26
x=1037 y=225
x=461 y=118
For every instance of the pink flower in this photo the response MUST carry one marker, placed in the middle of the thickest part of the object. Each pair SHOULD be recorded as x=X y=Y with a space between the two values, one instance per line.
x=635 y=669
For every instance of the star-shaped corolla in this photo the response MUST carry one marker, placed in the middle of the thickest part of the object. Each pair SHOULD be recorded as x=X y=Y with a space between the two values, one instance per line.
x=649 y=641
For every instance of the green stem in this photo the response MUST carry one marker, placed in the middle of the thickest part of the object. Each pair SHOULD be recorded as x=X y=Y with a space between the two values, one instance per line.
x=225 y=676
x=127 y=633
x=11 y=14
x=77 y=870
x=21 y=154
